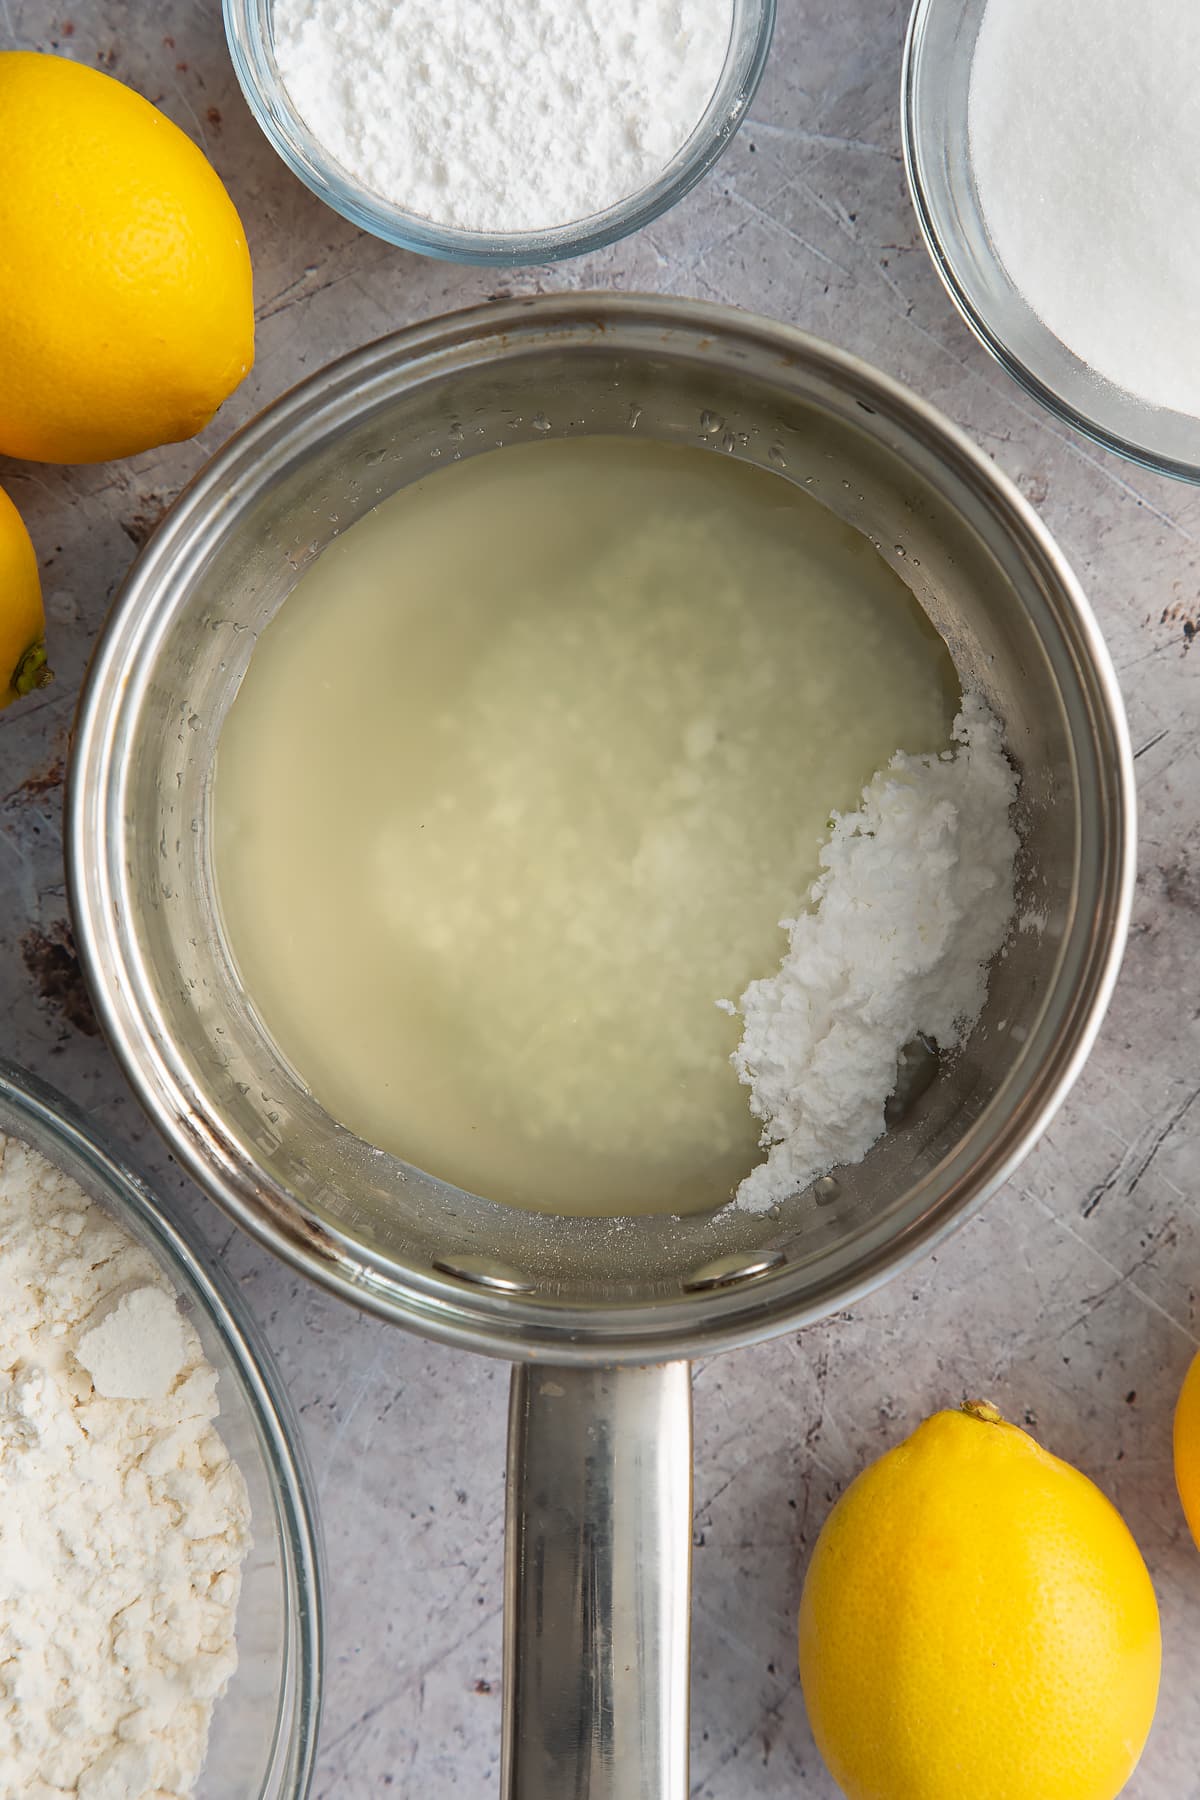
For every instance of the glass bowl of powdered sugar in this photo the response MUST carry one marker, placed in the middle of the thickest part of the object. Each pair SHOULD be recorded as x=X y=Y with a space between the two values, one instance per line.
x=499 y=131
x=160 y=1601
x=1051 y=154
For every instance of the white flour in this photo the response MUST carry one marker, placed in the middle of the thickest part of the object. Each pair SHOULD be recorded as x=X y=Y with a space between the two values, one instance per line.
x=916 y=897
x=123 y=1522
x=1085 y=134
x=502 y=115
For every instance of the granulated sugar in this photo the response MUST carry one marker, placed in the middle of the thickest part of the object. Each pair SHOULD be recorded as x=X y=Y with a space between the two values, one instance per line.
x=1085 y=140
x=915 y=899
x=502 y=115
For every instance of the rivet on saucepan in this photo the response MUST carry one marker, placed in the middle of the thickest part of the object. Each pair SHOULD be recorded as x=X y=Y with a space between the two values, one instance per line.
x=826 y=1190
x=484 y=1272
x=726 y=1271
x=916 y=1071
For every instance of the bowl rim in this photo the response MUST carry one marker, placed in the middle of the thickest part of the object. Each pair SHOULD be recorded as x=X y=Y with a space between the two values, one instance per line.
x=307 y=157
x=27 y=1101
x=940 y=248
x=439 y=1306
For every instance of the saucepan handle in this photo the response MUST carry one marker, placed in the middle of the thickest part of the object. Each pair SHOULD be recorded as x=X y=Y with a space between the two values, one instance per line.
x=597 y=1584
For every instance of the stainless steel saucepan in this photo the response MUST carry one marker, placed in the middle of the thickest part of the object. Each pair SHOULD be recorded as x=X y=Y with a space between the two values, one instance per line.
x=600 y=1315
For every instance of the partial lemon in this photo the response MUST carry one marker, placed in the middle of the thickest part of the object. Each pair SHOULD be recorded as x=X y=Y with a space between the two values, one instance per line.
x=126 y=315
x=22 y=620
x=978 y=1624
x=1187 y=1447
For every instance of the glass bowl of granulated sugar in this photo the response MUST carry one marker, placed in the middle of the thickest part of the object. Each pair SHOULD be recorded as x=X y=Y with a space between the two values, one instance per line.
x=160 y=1553
x=499 y=131
x=1051 y=154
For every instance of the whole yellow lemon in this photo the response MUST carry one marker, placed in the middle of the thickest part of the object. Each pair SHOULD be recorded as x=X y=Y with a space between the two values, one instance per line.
x=126 y=314
x=1187 y=1447
x=22 y=621
x=978 y=1624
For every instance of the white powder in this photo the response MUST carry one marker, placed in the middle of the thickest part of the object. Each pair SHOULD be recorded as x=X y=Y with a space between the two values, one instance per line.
x=502 y=115
x=138 y=1349
x=916 y=897
x=1084 y=124
x=123 y=1522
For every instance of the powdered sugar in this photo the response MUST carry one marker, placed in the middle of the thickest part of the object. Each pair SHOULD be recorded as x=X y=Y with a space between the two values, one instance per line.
x=502 y=115
x=124 y=1522
x=915 y=898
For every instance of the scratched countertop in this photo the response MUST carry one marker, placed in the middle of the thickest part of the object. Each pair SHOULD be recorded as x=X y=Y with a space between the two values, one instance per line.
x=1071 y=1301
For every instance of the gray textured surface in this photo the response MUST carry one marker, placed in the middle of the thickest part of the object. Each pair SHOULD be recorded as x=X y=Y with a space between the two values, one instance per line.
x=1071 y=1301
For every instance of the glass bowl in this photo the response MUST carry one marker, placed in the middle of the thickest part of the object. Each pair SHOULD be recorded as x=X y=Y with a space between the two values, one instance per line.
x=264 y=1728
x=248 y=27
x=938 y=56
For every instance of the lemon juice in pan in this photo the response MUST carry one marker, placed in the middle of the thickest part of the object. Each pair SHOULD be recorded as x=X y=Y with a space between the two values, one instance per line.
x=519 y=784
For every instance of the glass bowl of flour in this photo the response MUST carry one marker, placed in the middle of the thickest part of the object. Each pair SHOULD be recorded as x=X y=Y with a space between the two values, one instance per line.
x=517 y=132
x=118 y=1475
x=1051 y=156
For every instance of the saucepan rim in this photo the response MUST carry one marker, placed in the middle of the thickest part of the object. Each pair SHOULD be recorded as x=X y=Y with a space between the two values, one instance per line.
x=449 y=1307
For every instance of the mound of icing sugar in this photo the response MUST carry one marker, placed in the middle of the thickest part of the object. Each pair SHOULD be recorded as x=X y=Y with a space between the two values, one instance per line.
x=915 y=898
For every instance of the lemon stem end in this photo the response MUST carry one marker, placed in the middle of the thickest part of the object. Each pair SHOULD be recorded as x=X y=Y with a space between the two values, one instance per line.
x=33 y=670
x=984 y=1411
